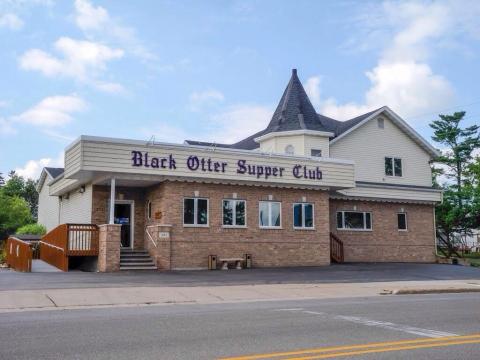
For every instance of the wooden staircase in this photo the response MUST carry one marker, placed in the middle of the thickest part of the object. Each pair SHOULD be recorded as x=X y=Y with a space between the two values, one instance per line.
x=336 y=249
x=136 y=260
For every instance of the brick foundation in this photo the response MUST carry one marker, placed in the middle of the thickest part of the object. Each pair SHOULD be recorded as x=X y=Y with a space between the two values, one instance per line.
x=385 y=243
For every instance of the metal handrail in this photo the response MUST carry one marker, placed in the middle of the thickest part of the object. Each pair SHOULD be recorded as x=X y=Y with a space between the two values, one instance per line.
x=150 y=236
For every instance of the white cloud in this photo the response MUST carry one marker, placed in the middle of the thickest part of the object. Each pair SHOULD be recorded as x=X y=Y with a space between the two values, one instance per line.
x=229 y=126
x=52 y=111
x=402 y=78
x=33 y=168
x=312 y=88
x=84 y=61
x=96 y=22
x=11 y=21
x=239 y=121
x=407 y=87
x=88 y=17
x=203 y=98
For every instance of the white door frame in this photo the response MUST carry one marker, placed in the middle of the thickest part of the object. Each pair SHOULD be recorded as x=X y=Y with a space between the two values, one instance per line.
x=132 y=218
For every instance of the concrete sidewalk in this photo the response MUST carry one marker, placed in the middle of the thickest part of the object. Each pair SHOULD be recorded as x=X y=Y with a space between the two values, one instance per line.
x=52 y=299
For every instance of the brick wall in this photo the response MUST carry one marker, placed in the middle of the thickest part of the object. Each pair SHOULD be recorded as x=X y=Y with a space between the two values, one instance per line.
x=385 y=243
x=269 y=248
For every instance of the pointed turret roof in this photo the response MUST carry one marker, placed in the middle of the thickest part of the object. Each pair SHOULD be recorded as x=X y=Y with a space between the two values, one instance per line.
x=295 y=111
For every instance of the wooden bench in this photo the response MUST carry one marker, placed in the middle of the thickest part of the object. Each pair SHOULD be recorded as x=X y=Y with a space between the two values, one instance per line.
x=237 y=261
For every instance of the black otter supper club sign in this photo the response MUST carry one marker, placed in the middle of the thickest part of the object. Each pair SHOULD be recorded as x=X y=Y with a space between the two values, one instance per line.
x=195 y=163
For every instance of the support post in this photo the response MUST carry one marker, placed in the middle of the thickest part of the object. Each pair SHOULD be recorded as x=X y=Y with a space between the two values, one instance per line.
x=111 y=217
x=109 y=247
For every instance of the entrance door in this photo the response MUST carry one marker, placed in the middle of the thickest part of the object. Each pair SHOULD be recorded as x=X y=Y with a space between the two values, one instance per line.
x=123 y=216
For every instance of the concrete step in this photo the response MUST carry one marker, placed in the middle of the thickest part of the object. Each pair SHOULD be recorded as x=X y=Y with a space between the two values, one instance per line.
x=137 y=267
x=148 y=263
x=136 y=260
x=127 y=256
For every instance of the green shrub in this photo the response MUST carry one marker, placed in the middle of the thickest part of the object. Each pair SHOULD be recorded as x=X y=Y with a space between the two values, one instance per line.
x=3 y=253
x=32 y=229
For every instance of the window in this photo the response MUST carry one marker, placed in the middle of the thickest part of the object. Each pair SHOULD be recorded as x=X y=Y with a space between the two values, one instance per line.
x=290 y=150
x=149 y=210
x=393 y=166
x=316 y=152
x=402 y=221
x=234 y=212
x=303 y=216
x=381 y=123
x=269 y=214
x=195 y=212
x=354 y=220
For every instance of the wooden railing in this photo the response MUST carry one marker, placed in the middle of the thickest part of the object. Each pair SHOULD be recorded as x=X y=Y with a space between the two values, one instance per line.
x=82 y=240
x=19 y=254
x=69 y=240
x=336 y=249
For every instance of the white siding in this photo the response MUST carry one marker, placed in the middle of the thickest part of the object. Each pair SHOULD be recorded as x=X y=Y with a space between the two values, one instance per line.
x=317 y=143
x=302 y=144
x=368 y=146
x=395 y=193
x=115 y=156
x=78 y=207
x=48 y=206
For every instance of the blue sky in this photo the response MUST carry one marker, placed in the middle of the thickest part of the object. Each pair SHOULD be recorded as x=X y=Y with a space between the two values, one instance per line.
x=215 y=70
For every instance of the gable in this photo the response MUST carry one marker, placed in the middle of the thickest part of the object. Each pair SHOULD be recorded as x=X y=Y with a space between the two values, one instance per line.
x=368 y=145
x=387 y=113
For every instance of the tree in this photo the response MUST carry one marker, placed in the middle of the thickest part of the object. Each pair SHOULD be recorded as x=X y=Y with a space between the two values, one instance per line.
x=16 y=185
x=2 y=180
x=14 y=212
x=457 y=212
x=460 y=144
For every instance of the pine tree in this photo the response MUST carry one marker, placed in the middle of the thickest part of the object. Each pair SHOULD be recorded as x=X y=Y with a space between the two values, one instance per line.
x=457 y=212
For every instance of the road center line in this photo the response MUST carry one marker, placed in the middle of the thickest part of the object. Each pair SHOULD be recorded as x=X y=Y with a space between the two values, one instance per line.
x=355 y=349
x=386 y=349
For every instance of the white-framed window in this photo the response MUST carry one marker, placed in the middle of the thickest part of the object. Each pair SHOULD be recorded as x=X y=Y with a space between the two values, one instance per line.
x=195 y=212
x=402 y=221
x=270 y=214
x=393 y=166
x=149 y=210
x=354 y=220
x=234 y=213
x=303 y=216
x=316 y=152
x=289 y=150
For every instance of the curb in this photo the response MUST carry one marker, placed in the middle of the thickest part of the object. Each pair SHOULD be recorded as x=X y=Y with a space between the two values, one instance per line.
x=434 y=291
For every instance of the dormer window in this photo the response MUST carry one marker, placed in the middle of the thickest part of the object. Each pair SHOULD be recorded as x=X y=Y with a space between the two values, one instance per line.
x=289 y=150
x=316 y=152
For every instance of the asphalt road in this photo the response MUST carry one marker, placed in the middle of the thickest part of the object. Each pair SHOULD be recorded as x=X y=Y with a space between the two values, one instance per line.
x=336 y=273
x=432 y=322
